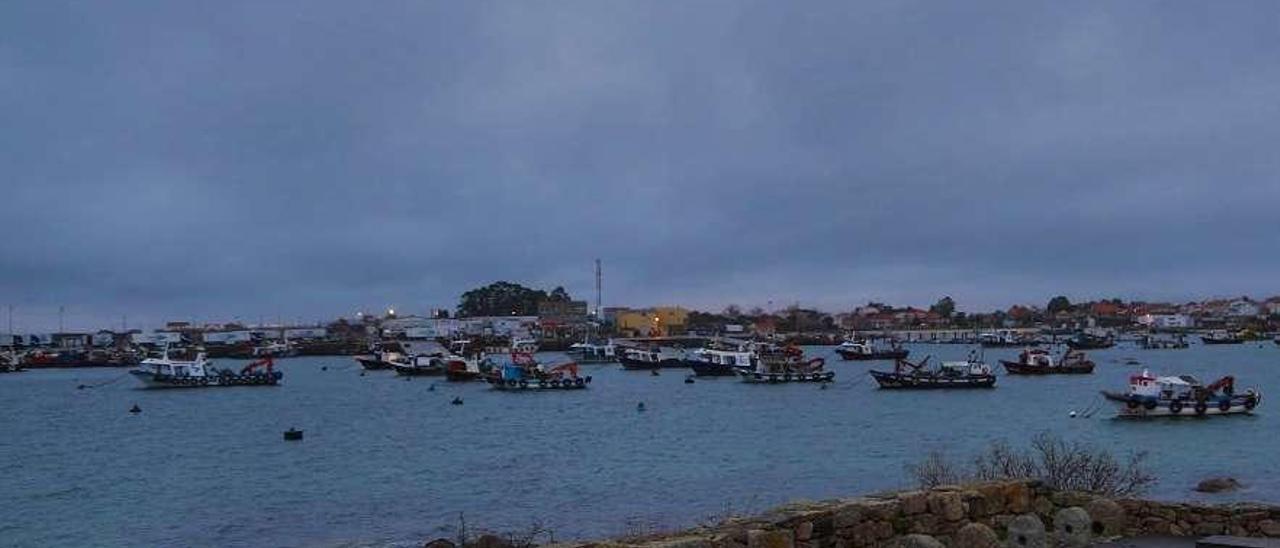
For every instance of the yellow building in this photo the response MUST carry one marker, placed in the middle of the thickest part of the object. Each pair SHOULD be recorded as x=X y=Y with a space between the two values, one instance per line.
x=659 y=321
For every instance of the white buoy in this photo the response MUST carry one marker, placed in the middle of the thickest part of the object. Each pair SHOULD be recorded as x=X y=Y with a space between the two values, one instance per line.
x=1072 y=414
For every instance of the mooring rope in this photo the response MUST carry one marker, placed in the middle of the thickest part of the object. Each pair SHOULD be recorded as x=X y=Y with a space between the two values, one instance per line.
x=83 y=386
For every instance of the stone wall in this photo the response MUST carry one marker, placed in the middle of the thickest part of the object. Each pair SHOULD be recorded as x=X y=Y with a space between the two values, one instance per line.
x=1016 y=514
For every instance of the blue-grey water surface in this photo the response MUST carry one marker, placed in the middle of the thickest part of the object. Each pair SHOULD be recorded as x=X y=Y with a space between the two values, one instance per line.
x=389 y=461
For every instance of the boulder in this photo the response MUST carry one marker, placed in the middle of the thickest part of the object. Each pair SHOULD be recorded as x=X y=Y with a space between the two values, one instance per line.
x=1027 y=531
x=1108 y=518
x=804 y=531
x=1073 y=528
x=759 y=538
x=1017 y=497
x=1218 y=485
x=1269 y=527
x=915 y=541
x=439 y=543
x=947 y=505
x=914 y=502
x=975 y=535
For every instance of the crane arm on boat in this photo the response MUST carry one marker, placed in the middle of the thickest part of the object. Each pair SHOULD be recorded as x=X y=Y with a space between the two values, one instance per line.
x=265 y=362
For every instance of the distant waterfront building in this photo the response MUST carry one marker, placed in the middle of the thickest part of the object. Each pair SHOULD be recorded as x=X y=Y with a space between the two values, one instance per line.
x=1243 y=308
x=227 y=337
x=296 y=333
x=156 y=338
x=1167 y=321
x=659 y=321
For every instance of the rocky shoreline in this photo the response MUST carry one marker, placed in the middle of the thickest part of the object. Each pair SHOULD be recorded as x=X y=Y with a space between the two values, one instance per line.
x=1016 y=514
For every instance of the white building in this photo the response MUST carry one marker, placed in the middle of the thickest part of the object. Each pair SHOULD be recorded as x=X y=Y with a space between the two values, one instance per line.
x=1243 y=308
x=1167 y=321
x=156 y=338
x=227 y=337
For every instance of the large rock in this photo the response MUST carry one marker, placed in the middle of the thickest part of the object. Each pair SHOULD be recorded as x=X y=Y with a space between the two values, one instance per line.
x=1218 y=485
x=914 y=502
x=915 y=541
x=439 y=543
x=1073 y=528
x=1017 y=497
x=1108 y=518
x=1269 y=527
x=975 y=535
x=759 y=538
x=947 y=505
x=1026 y=531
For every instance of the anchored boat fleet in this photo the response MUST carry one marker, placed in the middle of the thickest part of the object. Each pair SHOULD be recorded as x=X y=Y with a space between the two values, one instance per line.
x=751 y=362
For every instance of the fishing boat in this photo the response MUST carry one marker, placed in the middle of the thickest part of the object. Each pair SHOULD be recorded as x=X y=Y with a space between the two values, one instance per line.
x=460 y=365
x=1004 y=338
x=164 y=372
x=1034 y=361
x=865 y=351
x=651 y=357
x=972 y=373
x=275 y=349
x=524 y=373
x=1089 y=341
x=784 y=365
x=380 y=356
x=418 y=365
x=1221 y=337
x=10 y=362
x=1150 y=342
x=588 y=353
x=720 y=359
x=1152 y=396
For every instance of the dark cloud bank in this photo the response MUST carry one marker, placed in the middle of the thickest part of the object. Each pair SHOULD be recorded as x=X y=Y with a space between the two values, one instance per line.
x=211 y=160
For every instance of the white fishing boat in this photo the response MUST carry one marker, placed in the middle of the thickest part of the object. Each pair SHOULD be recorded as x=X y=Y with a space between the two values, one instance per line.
x=165 y=372
x=1152 y=396
x=588 y=352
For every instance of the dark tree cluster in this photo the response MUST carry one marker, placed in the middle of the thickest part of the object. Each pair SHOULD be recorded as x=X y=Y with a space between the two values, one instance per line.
x=507 y=299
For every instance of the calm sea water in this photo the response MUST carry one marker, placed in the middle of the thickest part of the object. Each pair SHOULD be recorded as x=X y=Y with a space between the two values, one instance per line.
x=390 y=462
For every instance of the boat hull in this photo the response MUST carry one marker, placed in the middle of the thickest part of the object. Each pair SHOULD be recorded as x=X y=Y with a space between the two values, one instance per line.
x=849 y=355
x=371 y=363
x=704 y=369
x=753 y=377
x=1078 y=345
x=1146 y=407
x=497 y=383
x=152 y=380
x=638 y=365
x=413 y=371
x=1208 y=340
x=1018 y=368
x=923 y=382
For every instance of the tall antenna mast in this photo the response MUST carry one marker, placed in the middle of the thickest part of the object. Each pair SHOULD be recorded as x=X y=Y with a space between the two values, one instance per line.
x=598 y=310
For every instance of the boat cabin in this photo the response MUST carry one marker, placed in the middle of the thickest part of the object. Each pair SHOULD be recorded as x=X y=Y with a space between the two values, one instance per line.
x=960 y=369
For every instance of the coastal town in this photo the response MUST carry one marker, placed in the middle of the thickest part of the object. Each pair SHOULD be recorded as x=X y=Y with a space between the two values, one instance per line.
x=555 y=321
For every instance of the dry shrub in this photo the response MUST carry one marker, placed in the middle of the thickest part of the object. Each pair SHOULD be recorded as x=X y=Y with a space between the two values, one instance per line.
x=1060 y=464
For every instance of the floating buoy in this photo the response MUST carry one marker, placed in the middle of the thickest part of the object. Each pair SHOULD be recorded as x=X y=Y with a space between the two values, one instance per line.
x=456 y=401
x=653 y=372
x=81 y=387
x=135 y=409
x=1072 y=414
x=688 y=380
x=324 y=368
x=362 y=373
x=640 y=406
x=431 y=388
x=292 y=434
x=822 y=386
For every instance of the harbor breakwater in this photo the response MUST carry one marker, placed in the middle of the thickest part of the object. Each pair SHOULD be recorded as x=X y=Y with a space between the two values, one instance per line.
x=1014 y=514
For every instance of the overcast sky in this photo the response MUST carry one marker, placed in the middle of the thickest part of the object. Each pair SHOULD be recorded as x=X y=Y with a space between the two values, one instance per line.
x=215 y=160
